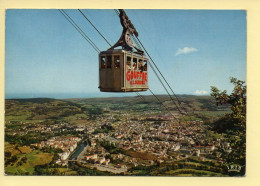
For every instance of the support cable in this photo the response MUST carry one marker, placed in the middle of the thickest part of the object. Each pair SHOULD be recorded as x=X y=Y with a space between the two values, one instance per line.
x=136 y=43
x=158 y=75
x=165 y=80
x=159 y=71
x=116 y=11
x=166 y=89
x=79 y=30
x=164 y=106
x=94 y=26
x=139 y=95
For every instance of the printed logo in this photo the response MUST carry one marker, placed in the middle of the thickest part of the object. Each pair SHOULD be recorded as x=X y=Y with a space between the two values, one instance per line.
x=234 y=168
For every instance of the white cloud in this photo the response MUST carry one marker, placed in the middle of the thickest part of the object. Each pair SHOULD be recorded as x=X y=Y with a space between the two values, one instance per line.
x=186 y=50
x=201 y=92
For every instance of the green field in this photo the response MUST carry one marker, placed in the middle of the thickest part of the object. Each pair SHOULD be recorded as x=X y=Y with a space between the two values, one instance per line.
x=33 y=158
x=191 y=172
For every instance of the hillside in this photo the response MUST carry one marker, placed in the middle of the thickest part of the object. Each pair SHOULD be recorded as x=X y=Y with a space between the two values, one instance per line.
x=107 y=123
x=39 y=109
x=42 y=109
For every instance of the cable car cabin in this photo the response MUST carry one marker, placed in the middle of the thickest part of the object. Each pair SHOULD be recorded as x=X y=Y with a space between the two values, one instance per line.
x=122 y=71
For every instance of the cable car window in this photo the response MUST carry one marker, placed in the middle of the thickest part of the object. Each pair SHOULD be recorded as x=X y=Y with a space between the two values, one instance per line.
x=109 y=61
x=103 y=62
x=140 y=65
x=117 y=61
x=128 y=63
x=134 y=63
x=145 y=65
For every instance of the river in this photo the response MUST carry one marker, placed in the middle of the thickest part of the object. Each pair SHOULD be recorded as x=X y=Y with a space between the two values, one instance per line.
x=78 y=151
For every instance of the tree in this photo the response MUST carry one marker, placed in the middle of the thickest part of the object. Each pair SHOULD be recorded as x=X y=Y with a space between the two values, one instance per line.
x=8 y=154
x=237 y=100
x=233 y=124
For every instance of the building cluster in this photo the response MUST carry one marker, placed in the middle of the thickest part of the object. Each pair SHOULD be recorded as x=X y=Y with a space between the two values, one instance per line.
x=66 y=144
x=149 y=137
x=45 y=128
x=159 y=137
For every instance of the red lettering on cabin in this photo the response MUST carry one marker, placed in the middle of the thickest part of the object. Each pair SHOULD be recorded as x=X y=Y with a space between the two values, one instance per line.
x=136 y=75
x=128 y=76
x=137 y=82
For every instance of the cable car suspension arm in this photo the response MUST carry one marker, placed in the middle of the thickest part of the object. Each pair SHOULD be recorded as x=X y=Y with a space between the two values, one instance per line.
x=129 y=30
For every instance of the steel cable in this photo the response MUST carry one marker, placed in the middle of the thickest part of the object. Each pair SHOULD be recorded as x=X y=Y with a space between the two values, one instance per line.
x=94 y=26
x=79 y=30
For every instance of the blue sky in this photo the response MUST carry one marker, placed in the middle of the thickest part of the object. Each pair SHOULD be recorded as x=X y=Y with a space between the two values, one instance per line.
x=194 y=49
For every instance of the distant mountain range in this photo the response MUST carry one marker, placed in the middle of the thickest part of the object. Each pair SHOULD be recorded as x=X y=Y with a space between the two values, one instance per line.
x=72 y=95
